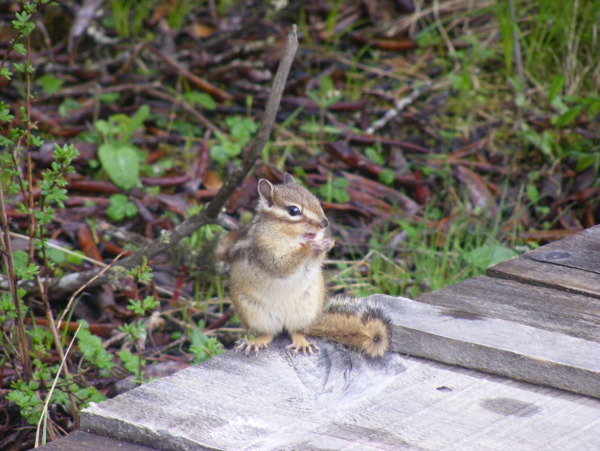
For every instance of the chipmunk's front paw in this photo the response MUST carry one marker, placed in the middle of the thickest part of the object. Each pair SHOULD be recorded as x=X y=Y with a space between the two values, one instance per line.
x=254 y=346
x=301 y=345
x=324 y=245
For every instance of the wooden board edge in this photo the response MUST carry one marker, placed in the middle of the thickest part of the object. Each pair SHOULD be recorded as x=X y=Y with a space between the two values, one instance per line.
x=496 y=361
x=95 y=420
x=503 y=270
x=435 y=333
x=82 y=441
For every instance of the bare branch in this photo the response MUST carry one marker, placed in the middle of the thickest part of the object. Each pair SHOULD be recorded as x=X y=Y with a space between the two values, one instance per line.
x=251 y=155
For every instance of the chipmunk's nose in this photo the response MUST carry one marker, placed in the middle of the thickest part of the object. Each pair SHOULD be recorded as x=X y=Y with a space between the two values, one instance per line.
x=324 y=223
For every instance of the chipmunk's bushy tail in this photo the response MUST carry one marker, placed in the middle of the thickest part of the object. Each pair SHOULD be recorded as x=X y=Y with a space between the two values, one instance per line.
x=354 y=323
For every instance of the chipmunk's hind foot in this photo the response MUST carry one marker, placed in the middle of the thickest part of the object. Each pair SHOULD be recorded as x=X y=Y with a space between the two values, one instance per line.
x=301 y=345
x=254 y=346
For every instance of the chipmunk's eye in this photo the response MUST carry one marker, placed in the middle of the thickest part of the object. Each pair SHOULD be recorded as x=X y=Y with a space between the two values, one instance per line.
x=293 y=210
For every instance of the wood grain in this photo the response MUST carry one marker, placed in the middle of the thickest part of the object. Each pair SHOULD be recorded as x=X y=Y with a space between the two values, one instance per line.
x=580 y=251
x=537 y=306
x=565 y=278
x=493 y=345
x=84 y=441
x=339 y=400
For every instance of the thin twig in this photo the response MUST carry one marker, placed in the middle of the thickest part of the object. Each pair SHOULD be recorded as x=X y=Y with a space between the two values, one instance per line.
x=193 y=78
x=399 y=105
x=6 y=253
x=83 y=287
x=63 y=249
x=51 y=391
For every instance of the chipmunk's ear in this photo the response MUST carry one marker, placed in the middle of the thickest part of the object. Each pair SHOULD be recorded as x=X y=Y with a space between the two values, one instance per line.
x=265 y=191
x=288 y=179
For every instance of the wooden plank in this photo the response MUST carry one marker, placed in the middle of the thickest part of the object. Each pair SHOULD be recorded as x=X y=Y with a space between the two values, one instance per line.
x=339 y=400
x=581 y=251
x=537 y=306
x=84 y=441
x=535 y=272
x=493 y=345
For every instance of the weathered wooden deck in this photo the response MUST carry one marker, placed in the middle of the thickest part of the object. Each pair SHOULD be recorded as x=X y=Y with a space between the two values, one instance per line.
x=506 y=361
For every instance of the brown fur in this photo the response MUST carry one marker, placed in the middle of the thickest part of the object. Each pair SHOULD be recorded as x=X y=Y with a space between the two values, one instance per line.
x=277 y=282
x=276 y=277
x=352 y=323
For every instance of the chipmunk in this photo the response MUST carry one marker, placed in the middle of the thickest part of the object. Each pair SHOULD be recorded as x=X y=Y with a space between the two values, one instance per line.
x=277 y=281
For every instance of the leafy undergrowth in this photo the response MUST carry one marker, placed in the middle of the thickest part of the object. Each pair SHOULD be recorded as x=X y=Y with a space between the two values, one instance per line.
x=441 y=136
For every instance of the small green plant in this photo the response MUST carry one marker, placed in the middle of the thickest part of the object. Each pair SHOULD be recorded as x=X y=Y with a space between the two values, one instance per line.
x=136 y=331
x=119 y=158
x=202 y=99
x=128 y=16
x=25 y=396
x=120 y=207
x=91 y=347
x=324 y=97
x=203 y=347
x=241 y=130
x=335 y=190
x=49 y=83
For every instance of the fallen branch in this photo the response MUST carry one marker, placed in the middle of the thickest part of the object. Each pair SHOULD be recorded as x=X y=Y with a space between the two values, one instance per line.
x=192 y=78
x=211 y=212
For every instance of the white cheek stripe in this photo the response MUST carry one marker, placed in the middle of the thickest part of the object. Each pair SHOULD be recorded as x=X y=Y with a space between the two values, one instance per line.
x=311 y=216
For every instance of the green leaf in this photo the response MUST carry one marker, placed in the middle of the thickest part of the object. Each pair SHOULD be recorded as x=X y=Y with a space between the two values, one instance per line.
x=24 y=396
x=311 y=128
x=241 y=128
x=532 y=193
x=7 y=307
x=110 y=98
x=374 y=155
x=568 y=117
x=69 y=104
x=593 y=106
x=487 y=255
x=130 y=125
x=387 y=176
x=202 y=99
x=5 y=72
x=75 y=258
x=49 y=83
x=121 y=163
x=88 y=394
x=56 y=255
x=556 y=87
x=131 y=362
x=120 y=207
x=91 y=347
x=24 y=269
x=106 y=128
x=203 y=347
x=585 y=160
x=149 y=303
x=5 y=115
